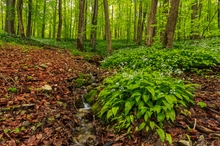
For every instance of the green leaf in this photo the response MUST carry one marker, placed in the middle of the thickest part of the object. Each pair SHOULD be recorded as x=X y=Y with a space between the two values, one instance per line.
x=161 y=133
x=156 y=108
x=12 y=89
x=202 y=104
x=147 y=128
x=151 y=90
x=146 y=117
x=160 y=117
x=128 y=106
x=170 y=99
x=152 y=124
x=132 y=118
x=145 y=98
x=143 y=124
x=169 y=138
x=171 y=115
x=109 y=114
x=115 y=110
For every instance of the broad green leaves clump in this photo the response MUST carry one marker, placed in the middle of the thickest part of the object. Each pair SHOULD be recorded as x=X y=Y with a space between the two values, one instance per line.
x=174 y=61
x=148 y=98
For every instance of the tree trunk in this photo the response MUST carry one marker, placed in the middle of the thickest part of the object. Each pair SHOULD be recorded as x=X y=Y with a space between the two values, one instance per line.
x=20 y=21
x=54 y=19
x=107 y=27
x=135 y=21
x=44 y=20
x=10 y=17
x=151 y=21
x=60 y=20
x=139 y=29
x=171 y=24
x=80 y=37
x=28 y=32
x=93 y=34
x=165 y=13
x=218 y=14
x=194 y=19
x=2 y=13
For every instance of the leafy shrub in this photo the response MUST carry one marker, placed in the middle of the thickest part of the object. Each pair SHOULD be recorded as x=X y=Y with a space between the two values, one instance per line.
x=173 y=61
x=148 y=98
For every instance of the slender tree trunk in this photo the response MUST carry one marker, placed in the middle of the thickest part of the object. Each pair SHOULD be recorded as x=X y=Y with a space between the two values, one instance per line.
x=194 y=19
x=151 y=21
x=2 y=13
x=85 y=20
x=171 y=24
x=165 y=14
x=107 y=27
x=93 y=34
x=135 y=21
x=44 y=20
x=218 y=14
x=28 y=32
x=80 y=37
x=10 y=17
x=139 y=29
x=60 y=20
x=71 y=16
x=20 y=21
x=65 y=21
x=55 y=19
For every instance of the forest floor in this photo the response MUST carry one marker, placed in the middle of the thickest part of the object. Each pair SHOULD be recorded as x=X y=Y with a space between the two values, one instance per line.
x=38 y=103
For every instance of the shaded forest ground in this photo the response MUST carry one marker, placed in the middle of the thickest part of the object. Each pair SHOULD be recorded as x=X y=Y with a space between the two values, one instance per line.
x=37 y=102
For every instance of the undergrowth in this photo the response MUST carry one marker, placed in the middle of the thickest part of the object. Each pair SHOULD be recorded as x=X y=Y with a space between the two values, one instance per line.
x=144 y=91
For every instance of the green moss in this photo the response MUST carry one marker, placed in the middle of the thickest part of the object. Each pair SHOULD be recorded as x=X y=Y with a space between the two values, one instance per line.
x=83 y=79
x=90 y=96
x=79 y=82
x=96 y=108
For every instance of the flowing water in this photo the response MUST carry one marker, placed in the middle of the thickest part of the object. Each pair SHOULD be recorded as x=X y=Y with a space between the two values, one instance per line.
x=84 y=133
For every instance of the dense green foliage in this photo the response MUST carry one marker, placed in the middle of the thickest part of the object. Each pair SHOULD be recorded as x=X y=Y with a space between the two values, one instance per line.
x=134 y=95
x=171 y=61
x=144 y=92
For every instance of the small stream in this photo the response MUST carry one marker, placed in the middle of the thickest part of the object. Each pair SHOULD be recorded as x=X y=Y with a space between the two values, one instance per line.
x=84 y=133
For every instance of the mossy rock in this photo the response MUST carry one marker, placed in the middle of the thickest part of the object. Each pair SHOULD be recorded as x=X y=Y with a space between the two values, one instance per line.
x=96 y=107
x=89 y=97
x=83 y=79
x=79 y=82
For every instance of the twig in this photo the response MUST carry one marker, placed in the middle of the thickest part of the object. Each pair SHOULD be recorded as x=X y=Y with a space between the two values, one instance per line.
x=194 y=126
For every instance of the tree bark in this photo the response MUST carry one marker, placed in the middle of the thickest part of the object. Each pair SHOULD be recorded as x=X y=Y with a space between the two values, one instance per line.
x=107 y=27
x=171 y=24
x=20 y=21
x=60 y=20
x=151 y=21
x=28 y=32
x=44 y=20
x=93 y=34
x=194 y=19
x=218 y=14
x=80 y=37
x=2 y=13
x=139 y=28
x=55 y=18
x=135 y=21
x=10 y=17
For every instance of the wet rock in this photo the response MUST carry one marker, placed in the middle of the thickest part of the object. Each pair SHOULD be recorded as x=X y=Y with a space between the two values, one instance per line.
x=184 y=143
x=82 y=138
